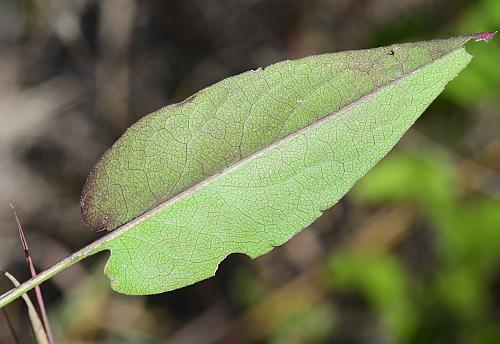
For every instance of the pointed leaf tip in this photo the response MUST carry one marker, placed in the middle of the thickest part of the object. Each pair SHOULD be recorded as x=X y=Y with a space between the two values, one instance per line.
x=483 y=36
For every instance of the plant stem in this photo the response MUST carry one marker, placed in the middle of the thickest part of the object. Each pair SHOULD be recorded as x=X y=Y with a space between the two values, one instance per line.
x=38 y=291
x=95 y=247
x=87 y=251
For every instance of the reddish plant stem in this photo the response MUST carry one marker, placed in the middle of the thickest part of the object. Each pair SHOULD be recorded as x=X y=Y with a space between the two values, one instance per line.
x=38 y=291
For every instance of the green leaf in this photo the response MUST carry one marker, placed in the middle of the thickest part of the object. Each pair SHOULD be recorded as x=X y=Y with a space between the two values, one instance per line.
x=245 y=164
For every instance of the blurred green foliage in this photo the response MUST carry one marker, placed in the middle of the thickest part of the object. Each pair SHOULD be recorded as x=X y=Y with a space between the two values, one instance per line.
x=382 y=282
x=457 y=290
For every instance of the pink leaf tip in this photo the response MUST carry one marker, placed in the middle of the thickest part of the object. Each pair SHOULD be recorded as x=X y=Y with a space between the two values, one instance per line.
x=483 y=36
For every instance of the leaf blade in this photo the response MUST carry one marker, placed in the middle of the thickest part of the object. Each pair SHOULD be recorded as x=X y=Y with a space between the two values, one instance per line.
x=249 y=207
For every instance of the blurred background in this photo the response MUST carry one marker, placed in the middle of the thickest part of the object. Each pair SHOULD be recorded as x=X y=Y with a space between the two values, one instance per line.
x=410 y=255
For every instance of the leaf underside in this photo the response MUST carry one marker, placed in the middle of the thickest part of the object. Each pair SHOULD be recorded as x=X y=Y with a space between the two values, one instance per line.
x=245 y=164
